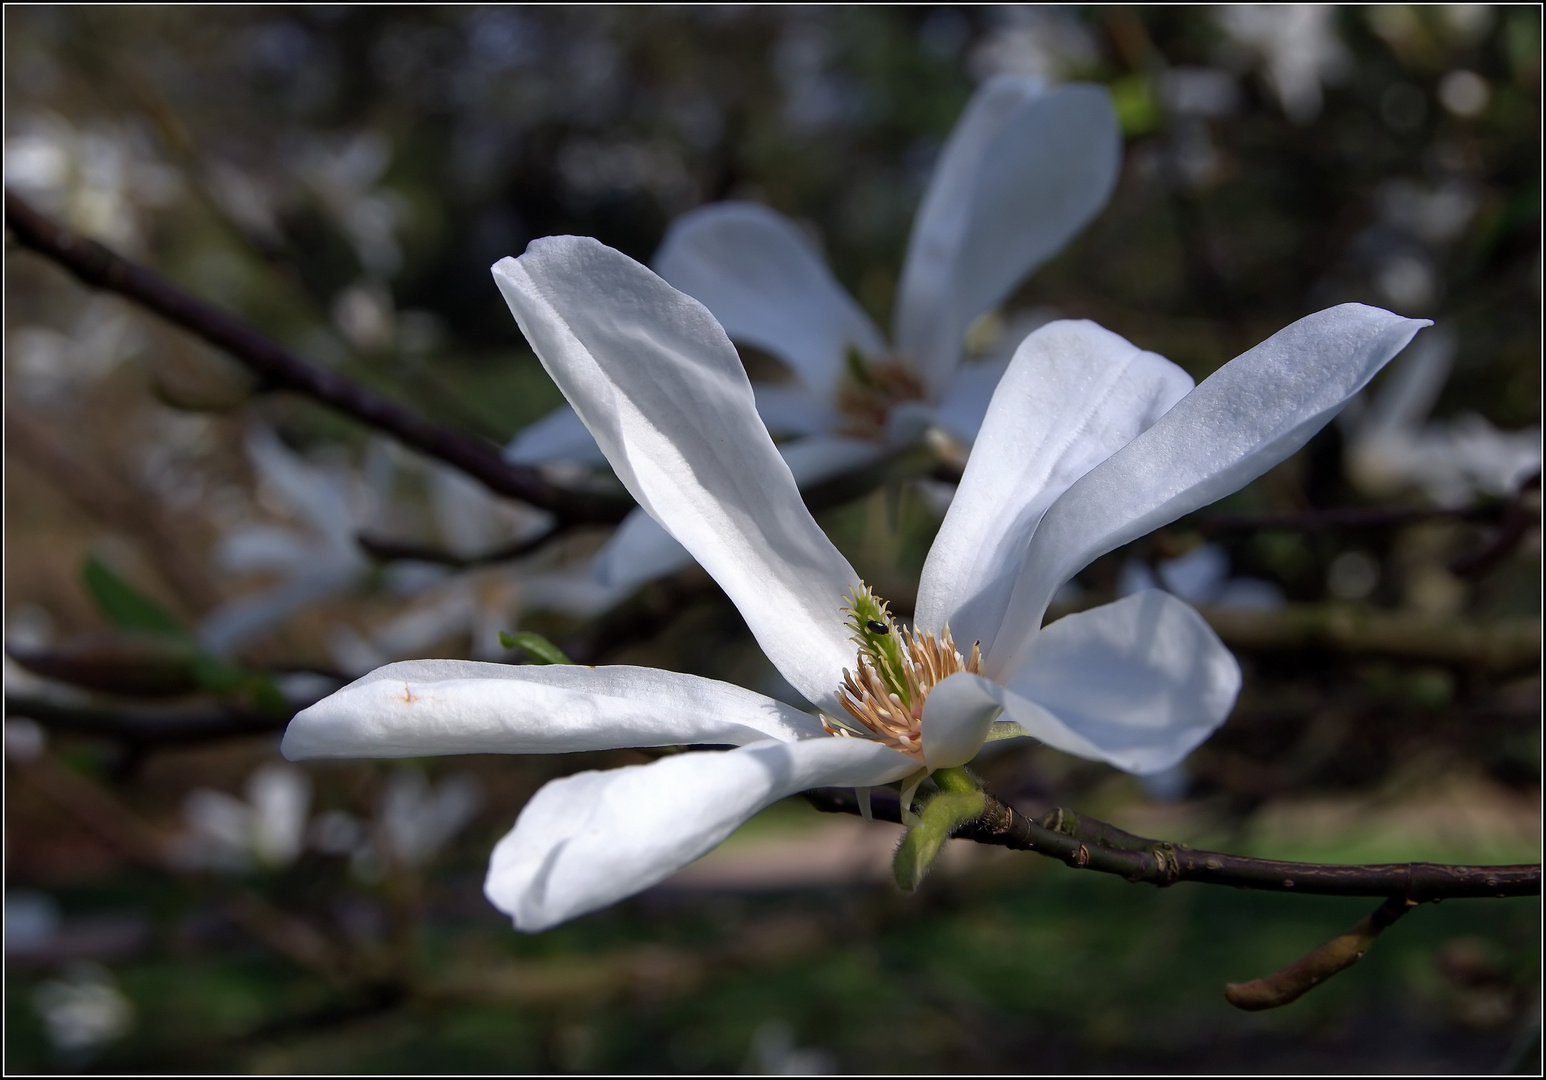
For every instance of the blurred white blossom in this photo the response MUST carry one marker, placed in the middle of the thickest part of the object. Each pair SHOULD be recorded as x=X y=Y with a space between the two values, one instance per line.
x=1043 y=41
x=414 y=821
x=49 y=366
x=267 y=829
x=775 y=1053
x=1390 y=448
x=83 y=1010
x=1296 y=47
x=1201 y=576
x=315 y=557
x=99 y=180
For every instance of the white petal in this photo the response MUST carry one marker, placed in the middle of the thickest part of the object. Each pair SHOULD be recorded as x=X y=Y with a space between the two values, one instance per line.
x=641 y=551
x=638 y=552
x=758 y=274
x=592 y=839
x=1138 y=683
x=1023 y=171
x=955 y=724
x=1242 y=420
x=558 y=436
x=1073 y=395
x=660 y=386
x=423 y=707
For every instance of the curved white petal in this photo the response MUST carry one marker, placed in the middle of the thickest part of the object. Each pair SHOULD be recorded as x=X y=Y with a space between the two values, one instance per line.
x=1242 y=420
x=1023 y=171
x=639 y=551
x=758 y=274
x=423 y=707
x=592 y=839
x=956 y=721
x=1073 y=395
x=1139 y=684
x=660 y=386
x=558 y=436
x=642 y=551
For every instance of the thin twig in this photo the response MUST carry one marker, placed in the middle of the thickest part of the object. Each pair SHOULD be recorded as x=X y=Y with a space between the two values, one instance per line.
x=1512 y=529
x=387 y=550
x=1088 y=844
x=281 y=369
x=1319 y=964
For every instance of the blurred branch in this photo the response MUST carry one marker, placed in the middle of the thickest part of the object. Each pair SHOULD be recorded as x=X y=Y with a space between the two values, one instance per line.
x=144 y=726
x=1318 y=965
x=386 y=550
x=1519 y=514
x=1500 y=646
x=281 y=369
x=115 y=502
x=1341 y=517
x=1088 y=844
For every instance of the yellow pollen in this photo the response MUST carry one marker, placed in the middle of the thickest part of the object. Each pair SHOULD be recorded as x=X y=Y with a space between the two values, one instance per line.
x=926 y=661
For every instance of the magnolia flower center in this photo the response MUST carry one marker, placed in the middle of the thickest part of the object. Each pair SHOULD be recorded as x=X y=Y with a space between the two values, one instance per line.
x=870 y=390
x=896 y=669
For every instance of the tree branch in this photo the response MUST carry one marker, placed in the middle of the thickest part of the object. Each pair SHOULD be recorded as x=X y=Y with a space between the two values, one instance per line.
x=1319 y=964
x=281 y=369
x=150 y=725
x=386 y=550
x=1087 y=844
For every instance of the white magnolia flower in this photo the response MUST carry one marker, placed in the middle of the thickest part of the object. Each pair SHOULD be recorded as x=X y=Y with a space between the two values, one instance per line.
x=317 y=557
x=1024 y=170
x=1297 y=47
x=268 y=828
x=83 y=1010
x=1088 y=443
x=1390 y=447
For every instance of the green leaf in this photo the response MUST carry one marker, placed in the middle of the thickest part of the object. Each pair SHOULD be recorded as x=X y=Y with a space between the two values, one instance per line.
x=215 y=675
x=125 y=606
x=536 y=646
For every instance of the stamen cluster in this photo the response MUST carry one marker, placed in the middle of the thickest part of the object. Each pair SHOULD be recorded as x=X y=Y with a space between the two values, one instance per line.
x=897 y=668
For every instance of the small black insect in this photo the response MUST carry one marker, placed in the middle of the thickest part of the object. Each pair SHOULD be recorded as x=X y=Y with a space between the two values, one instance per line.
x=875 y=627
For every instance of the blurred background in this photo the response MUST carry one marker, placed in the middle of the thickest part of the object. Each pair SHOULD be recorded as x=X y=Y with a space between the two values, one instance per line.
x=184 y=565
